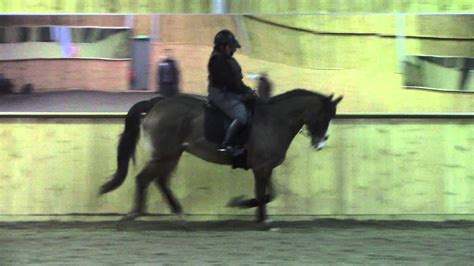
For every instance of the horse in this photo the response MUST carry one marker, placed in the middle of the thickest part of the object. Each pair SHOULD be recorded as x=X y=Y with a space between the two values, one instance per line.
x=175 y=125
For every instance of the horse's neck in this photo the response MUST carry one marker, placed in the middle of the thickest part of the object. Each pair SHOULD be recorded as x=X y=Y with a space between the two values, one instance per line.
x=292 y=109
x=287 y=116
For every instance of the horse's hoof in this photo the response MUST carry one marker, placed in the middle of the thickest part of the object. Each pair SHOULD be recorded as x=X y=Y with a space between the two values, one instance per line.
x=131 y=216
x=265 y=225
x=235 y=202
x=182 y=222
x=180 y=217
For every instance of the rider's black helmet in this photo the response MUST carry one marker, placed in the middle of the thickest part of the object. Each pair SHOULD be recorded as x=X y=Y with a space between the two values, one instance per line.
x=224 y=37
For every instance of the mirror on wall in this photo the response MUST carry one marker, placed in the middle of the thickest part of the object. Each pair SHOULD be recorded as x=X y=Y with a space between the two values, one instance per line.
x=49 y=42
x=439 y=73
x=62 y=62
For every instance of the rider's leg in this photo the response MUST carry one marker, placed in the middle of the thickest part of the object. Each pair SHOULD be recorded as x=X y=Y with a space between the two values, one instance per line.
x=239 y=115
x=234 y=129
x=231 y=104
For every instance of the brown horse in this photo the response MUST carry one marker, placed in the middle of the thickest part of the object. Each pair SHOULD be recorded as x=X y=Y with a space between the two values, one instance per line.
x=176 y=125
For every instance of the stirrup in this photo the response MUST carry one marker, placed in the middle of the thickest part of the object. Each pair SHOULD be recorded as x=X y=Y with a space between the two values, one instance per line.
x=224 y=148
x=233 y=151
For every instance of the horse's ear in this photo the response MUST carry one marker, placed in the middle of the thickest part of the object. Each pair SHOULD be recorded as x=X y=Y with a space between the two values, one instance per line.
x=337 y=100
x=330 y=96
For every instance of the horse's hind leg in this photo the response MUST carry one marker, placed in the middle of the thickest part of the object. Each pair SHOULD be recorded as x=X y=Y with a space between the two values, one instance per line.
x=142 y=181
x=156 y=168
x=164 y=175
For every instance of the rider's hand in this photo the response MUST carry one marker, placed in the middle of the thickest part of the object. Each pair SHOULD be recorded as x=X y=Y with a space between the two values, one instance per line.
x=251 y=95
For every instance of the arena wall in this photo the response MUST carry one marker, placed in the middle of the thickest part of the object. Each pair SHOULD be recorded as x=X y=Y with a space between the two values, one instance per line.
x=356 y=56
x=364 y=68
x=378 y=168
x=241 y=6
x=383 y=168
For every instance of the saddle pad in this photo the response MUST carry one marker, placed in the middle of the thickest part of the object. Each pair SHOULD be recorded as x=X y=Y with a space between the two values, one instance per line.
x=215 y=124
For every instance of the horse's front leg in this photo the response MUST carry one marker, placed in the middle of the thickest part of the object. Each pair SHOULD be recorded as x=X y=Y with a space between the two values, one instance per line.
x=241 y=202
x=262 y=179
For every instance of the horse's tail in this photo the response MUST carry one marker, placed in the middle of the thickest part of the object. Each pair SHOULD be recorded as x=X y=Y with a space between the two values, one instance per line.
x=128 y=143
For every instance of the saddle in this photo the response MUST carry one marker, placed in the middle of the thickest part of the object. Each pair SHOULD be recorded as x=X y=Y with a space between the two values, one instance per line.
x=216 y=124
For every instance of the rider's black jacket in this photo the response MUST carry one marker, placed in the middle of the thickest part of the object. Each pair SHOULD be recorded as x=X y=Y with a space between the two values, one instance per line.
x=225 y=73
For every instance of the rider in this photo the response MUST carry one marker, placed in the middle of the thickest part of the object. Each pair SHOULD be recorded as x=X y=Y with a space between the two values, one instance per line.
x=226 y=88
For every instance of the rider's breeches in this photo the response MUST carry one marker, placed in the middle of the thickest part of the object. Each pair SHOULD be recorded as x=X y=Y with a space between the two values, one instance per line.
x=230 y=103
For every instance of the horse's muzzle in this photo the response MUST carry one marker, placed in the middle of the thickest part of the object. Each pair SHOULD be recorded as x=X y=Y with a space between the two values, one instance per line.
x=319 y=144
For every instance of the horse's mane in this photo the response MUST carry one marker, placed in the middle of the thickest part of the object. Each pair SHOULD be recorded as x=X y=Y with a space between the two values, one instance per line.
x=290 y=94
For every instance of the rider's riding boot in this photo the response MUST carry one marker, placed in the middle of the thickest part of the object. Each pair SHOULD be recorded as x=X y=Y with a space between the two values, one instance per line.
x=234 y=129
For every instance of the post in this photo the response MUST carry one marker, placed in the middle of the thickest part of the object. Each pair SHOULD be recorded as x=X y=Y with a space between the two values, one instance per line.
x=220 y=6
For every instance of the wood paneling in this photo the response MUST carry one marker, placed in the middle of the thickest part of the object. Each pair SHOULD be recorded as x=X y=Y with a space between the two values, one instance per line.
x=381 y=167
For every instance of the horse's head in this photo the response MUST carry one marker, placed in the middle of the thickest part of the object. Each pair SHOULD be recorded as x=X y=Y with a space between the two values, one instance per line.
x=319 y=119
